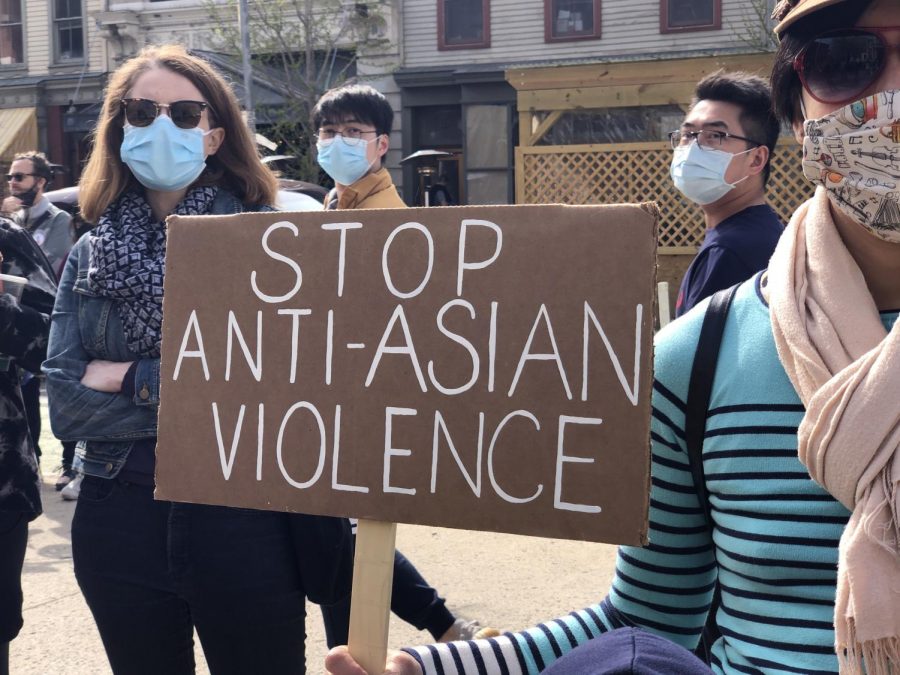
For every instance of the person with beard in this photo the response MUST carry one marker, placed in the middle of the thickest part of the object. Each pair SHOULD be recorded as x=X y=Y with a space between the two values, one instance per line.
x=28 y=178
x=801 y=455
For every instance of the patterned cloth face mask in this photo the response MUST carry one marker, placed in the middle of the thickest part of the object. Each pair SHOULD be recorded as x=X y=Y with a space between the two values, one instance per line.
x=854 y=153
x=163 y=156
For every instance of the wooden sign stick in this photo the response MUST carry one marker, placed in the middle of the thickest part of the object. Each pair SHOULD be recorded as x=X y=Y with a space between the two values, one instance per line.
x=370 y=610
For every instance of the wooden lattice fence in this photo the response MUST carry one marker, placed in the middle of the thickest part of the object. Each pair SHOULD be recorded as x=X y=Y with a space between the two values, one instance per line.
x=635 y=172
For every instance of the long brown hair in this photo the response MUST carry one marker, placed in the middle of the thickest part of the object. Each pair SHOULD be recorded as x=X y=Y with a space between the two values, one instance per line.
x=236 y=166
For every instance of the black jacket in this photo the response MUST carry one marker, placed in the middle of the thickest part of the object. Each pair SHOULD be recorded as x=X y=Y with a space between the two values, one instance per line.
x=24 y=325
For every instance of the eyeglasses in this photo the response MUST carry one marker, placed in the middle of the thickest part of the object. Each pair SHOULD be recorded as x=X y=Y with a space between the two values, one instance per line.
x=837 y=67
x=351 y=136
x=140 y=112
x=18 y=177
x=707 y=139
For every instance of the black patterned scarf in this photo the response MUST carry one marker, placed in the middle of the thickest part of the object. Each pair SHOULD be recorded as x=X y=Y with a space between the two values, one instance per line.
x=128 y=262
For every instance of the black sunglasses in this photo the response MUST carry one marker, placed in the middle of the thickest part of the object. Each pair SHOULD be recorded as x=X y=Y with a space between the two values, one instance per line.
x=837 y=67
x=140 y=112
x=18 y=177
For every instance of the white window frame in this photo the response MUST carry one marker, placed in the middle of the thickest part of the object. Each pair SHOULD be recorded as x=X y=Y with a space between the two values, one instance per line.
x=21 y=25
x=55 y=27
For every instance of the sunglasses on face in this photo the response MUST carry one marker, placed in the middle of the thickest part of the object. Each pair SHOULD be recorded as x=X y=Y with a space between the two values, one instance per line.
x=18 y=177
x=140 y=112
x=838 y=67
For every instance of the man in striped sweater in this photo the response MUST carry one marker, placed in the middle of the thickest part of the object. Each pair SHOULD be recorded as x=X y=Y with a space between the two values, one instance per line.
x=776 y=531
x=810 y=340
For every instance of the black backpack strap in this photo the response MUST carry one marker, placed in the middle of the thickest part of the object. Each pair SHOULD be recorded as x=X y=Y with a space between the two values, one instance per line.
x=703 y=372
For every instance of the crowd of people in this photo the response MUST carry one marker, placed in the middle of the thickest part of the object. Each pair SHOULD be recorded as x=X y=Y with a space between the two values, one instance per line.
x=784 y=560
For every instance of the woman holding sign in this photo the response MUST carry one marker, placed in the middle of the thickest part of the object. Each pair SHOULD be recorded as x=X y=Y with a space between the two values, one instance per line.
x=801 y=454
x=170 y=140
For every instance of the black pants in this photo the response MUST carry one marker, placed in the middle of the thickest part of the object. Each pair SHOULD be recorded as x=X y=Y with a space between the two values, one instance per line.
x=68 y=454
x=13 y=538
x=31 y=397
x=412 y=599
x=152 y=571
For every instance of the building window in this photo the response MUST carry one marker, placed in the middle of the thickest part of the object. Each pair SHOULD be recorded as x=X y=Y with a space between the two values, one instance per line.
x=600 y=126
x=571 y=20
x=690 y=15
x=464 y=24
x=68 y=30
x=489 y=177
x=11 y=43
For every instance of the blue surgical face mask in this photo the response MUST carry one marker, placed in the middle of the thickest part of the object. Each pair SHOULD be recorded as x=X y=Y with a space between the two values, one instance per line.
x=699 y=173
x=162 y=156
x=346 y=164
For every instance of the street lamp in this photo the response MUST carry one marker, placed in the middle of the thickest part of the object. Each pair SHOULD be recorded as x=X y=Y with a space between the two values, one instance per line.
x=243 y=22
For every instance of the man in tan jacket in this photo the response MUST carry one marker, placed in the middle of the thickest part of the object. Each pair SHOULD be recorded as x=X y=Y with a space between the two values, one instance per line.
x=354 y=126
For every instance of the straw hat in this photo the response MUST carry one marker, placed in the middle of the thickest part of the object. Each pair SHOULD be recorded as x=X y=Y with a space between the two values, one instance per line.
x=789 y=11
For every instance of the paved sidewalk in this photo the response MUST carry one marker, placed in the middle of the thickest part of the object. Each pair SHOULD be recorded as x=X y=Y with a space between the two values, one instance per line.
x=503 y=580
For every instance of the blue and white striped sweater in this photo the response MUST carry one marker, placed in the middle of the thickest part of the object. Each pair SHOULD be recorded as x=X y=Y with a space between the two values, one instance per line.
x=774 y=545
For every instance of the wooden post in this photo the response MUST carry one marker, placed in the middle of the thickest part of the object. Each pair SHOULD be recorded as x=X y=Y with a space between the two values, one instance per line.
x=665 y=312
x=545 y=126
x=525 y=131
x=370 y=611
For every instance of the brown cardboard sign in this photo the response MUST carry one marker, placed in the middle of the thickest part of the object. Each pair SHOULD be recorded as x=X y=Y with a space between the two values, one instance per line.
x=473 y=367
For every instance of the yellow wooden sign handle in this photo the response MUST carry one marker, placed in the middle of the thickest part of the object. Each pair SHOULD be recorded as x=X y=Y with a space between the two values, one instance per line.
x=370 y=611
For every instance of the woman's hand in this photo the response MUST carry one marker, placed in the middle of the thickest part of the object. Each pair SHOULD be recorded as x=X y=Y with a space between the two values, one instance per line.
x=105 y=375
x=339 y=662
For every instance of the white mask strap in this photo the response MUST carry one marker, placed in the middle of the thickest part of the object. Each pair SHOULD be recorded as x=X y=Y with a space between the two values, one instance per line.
x=738 y=182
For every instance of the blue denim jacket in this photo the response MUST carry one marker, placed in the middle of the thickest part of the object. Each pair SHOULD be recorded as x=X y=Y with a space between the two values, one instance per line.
x=85 y=327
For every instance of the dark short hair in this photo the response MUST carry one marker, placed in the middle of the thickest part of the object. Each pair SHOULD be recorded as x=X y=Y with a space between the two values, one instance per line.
x=40 y=165
x=752 y=95
x=359 y=101
x=786 y=85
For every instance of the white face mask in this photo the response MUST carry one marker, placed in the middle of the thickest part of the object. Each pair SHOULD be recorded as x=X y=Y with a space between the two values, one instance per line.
x=854 y=153
x=699 y=174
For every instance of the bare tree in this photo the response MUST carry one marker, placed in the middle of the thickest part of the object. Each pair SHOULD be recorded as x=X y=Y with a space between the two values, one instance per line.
x=756 y=28
x=300 y=49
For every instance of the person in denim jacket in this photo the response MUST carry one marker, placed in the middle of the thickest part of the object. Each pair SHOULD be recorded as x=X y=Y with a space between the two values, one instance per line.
x=170 y=140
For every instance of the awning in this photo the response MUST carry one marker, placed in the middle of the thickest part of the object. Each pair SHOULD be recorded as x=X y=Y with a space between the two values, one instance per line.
x=18 y=133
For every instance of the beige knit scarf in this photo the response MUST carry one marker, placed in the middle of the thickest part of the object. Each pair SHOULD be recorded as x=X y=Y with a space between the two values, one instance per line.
x=846 y=368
